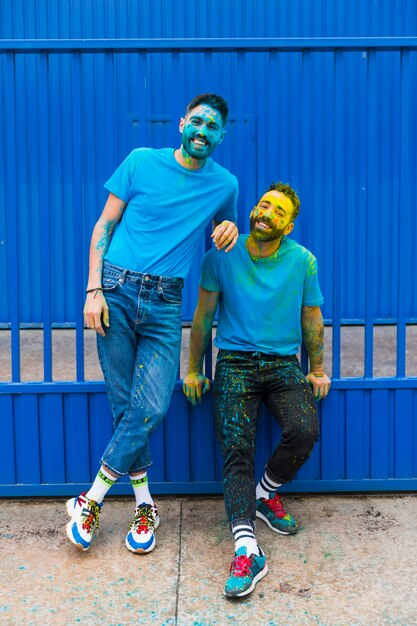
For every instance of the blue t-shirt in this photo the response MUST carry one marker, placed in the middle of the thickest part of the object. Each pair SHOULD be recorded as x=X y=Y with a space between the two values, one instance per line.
x=261 y=299
x=168 y=209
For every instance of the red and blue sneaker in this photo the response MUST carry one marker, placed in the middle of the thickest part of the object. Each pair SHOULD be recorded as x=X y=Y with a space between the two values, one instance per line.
x=141 y=536
x=84 y=520
x=271 y=511
x=245 y=573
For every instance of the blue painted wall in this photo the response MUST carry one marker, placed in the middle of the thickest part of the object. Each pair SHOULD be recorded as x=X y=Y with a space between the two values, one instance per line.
x=331 y=123
x=334 y=118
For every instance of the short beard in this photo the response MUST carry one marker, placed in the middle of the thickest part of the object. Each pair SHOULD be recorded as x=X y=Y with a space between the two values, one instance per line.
x=259 y=235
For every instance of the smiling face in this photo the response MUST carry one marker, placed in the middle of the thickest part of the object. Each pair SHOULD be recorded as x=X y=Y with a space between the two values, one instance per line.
x=272 y=217
x=202 y=131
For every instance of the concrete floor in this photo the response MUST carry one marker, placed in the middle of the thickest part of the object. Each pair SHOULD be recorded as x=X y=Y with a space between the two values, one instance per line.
x=353 y=563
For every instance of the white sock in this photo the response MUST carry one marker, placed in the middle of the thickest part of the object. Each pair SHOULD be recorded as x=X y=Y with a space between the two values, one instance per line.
x=141 y=489
x=244 y=536
x=265 y=487
x=102 y=483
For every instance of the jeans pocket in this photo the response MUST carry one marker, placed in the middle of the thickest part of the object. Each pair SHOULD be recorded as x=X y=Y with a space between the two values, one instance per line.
x=171 y=293
x=109 y=283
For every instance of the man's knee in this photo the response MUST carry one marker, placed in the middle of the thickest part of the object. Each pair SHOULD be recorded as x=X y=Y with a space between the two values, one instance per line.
x=302 y=436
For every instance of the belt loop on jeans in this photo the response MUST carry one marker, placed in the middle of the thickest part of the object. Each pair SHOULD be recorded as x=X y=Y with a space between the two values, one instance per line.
x=122 y=278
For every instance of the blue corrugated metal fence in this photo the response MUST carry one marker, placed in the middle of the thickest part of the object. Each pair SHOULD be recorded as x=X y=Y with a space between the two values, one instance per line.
x=334 y=116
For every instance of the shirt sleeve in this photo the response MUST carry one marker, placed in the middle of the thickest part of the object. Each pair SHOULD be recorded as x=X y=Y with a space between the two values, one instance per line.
x=120 y=183
x=312 y=295
x=229 y=210
x=209 y=273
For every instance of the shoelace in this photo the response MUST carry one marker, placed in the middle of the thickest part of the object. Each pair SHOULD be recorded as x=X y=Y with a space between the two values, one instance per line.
x=241 y=566
x=144 y=519
x=276 y=506
x=92 y=515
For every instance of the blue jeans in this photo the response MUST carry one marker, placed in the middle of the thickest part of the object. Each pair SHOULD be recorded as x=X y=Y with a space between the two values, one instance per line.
x=139 y=356
x=244 y=380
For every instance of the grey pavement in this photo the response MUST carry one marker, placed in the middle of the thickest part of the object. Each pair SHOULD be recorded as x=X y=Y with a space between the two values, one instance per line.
x=64 y=356
x=351 y=564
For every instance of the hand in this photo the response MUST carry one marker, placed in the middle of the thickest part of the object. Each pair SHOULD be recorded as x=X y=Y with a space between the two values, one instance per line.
x=95 y=309
x=320 y=384
x=194 y=385
x=225 y=234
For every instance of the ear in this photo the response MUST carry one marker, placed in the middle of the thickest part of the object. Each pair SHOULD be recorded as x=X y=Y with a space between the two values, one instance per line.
x=222 y=136
x=181 y=126
x=289 y=228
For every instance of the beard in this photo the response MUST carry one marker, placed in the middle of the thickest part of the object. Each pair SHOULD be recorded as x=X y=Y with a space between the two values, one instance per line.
x=260 y=235
x=196 y=153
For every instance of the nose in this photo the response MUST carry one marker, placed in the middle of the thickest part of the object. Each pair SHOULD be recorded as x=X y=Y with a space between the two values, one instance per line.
x=203 y=130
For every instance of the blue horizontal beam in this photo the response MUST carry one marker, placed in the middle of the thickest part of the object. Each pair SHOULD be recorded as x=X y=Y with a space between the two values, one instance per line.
x=214 y=487
x=99 y=387
x=212 y=44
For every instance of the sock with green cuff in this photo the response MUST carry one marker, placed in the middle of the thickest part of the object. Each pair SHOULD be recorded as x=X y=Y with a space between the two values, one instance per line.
x=141 y=489
x=102 y=483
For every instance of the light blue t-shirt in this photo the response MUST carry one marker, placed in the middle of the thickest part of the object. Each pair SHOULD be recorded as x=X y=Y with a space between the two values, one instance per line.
x=261 y=299
x=168 y=209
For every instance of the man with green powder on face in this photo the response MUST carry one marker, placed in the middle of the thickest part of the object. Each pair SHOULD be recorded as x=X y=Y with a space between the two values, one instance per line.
x=142 y=247
x=269 y=301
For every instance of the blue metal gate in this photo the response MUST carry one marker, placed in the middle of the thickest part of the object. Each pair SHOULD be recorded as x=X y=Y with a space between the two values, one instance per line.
x=334 y=116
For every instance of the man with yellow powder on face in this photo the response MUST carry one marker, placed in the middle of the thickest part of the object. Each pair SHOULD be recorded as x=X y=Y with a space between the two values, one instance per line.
x=269 y=301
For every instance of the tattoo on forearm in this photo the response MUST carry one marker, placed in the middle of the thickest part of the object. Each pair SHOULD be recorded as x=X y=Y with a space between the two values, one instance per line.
x=313 y=335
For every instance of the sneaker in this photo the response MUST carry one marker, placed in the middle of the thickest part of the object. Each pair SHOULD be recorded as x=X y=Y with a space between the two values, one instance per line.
x=141 y=536
x=84 y=520
x=245 y=573
x=272 y=512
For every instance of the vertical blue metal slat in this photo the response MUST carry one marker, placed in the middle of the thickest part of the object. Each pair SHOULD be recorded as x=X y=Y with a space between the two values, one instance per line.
x=305 y=156
x=177 y=443
x=354 y=434
x=13 y=268
x=27 y=439
x=372 y=184
x=406 y=209
x=7 y=441
x=77 y=159
x=51 y=438
x=403 y=438
x=331 y=434
x=46 y=217
x=380 y=435
x=77 y=452
x=201 y=442
x=338 y=174
x=100 y=427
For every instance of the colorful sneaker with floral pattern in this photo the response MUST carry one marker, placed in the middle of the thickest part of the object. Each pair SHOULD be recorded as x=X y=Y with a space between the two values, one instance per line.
x=245 y=573
x=141 y=536
x=272 y=512
x=84 y=520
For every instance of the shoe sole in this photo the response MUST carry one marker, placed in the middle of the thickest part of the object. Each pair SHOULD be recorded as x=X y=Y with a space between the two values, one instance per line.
x=142 y=550
x=281 y=532
x=255 y=581
x=70 y=509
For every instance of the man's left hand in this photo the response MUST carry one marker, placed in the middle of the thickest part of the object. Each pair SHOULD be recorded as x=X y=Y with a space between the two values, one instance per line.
x=320 y=384
x=194 y=385
x=225 y=234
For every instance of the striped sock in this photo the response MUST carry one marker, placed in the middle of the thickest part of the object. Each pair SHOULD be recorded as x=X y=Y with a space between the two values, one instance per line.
x=244 y=536
x=266 y=486
x=141 y=489
x=102 y=483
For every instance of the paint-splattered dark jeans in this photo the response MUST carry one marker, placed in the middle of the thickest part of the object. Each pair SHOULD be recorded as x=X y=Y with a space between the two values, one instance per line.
x=242 y=381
